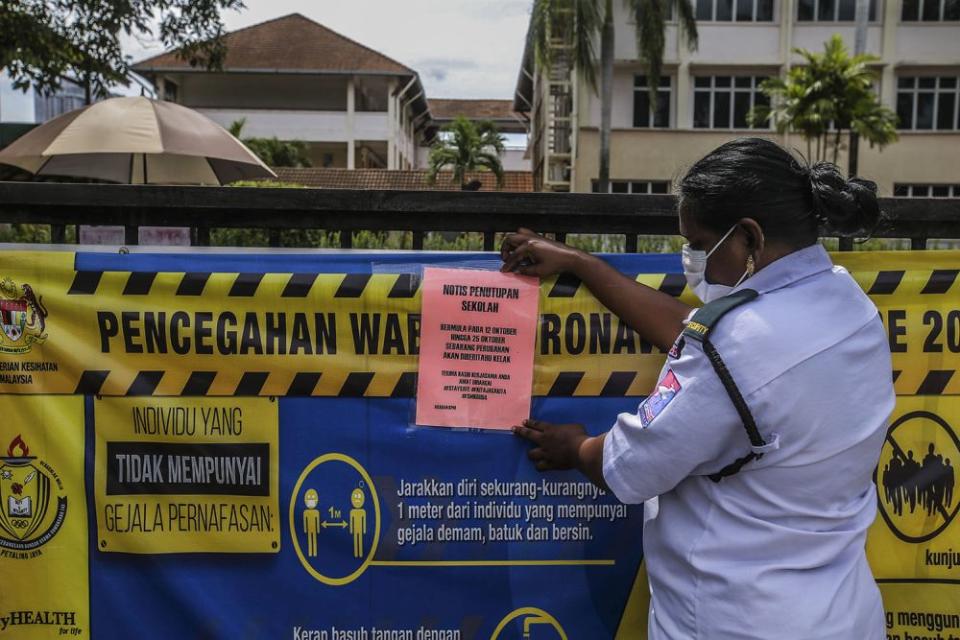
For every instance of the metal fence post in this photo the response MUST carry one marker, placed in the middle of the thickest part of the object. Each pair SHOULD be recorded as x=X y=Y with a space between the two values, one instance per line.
x=488 y=240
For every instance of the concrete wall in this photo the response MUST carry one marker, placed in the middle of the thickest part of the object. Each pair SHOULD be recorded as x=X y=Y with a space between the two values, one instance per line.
x=928 y=43
x=625 y=36
x=918 y=157
x=316 y=126
x=513 y=160
x=743 y=44
x=812 y=35
x=422 y=158
x=646 y=154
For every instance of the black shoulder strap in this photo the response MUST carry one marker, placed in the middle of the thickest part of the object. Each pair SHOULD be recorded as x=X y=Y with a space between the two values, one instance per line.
x=699 y=328
x=709 y=314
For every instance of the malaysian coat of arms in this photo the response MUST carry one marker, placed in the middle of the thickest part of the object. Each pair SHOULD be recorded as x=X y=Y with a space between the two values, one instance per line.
x=22 y=318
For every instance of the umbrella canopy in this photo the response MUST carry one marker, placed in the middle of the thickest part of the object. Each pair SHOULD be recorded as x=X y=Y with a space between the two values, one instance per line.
x=137 y=141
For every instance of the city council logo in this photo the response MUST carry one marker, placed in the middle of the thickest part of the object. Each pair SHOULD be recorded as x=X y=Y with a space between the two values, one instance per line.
x=22 y=318
x=32 y=504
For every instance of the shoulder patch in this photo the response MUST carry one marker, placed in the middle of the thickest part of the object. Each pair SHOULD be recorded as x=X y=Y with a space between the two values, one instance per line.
x=654 y=404
x=677 y=349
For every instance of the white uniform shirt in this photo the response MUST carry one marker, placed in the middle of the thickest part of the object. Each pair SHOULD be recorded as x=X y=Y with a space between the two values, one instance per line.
x=776 y=550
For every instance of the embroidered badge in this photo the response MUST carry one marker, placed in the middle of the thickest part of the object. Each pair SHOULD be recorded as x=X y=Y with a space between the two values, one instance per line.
x=656 y=402
x=677 y=348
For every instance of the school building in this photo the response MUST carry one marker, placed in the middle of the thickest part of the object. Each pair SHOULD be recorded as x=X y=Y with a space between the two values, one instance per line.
x=704 y=96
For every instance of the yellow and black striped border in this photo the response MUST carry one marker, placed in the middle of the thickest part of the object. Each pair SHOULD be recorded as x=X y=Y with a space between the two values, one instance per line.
x=551 y=380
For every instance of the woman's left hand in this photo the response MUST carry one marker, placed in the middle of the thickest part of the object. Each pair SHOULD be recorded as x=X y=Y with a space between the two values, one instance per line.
x=557 y=445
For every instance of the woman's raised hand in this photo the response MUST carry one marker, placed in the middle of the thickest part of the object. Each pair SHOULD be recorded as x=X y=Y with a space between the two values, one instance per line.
x=530 y=254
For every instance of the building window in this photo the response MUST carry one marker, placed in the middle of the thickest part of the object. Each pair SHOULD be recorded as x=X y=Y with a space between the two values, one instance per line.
x=735 y=10
x=633 y=186
x=170 y=91
x=831 y=10
x=928 y=102
x=930 y=10
x=926 y=190
x=645 y=114
x=723 y=102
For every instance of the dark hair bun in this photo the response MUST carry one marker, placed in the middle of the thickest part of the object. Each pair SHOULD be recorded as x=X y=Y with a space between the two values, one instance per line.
x=849 y=207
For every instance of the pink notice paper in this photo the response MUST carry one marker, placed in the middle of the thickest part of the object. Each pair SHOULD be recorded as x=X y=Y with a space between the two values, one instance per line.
x=477 y=335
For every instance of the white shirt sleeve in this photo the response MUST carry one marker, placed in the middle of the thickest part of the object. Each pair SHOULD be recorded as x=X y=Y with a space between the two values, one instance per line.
x=694 y=431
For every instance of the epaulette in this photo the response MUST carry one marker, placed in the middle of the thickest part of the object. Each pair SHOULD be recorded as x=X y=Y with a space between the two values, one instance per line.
x=708 y=315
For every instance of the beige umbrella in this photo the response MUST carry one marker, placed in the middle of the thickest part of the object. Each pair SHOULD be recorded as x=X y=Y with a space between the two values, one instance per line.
x=137 y=141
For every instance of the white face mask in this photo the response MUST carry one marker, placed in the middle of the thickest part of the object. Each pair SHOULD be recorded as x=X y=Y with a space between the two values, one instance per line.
x=695 y=270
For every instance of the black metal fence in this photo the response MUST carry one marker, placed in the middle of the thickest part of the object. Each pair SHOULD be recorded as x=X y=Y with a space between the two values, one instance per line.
x=203 y=208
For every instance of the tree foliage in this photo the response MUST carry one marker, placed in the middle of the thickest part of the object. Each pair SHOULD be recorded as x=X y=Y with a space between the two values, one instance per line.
x=579 y=22
x=563 y=34
x=274 y=152
x=651 y=30
x=45 y=42
x=828 y=94
x=465 y=145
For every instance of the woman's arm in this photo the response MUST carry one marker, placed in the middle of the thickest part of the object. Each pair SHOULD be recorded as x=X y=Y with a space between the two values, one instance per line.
x=656 y=316
x=564 y=446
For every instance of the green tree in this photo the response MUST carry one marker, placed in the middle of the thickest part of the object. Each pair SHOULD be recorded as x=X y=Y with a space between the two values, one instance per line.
x=575 y=25
x=466 y=146
x=274 y=152
x=45 y=42
x=830 y=94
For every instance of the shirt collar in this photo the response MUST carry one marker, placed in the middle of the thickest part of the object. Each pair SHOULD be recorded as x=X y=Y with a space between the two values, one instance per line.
x=789 y=269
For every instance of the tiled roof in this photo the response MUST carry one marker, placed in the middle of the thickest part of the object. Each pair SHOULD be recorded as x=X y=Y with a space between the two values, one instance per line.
x=449 y=108
x=413 y=180
x=292 y=42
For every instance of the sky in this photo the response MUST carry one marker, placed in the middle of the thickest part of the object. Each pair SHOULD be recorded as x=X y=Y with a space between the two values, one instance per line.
x=461 y=49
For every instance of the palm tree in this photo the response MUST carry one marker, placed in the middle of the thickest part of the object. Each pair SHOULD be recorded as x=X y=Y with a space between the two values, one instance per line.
x=467 y=146
x=576 y=23
x=274 y=152
x=829 y=94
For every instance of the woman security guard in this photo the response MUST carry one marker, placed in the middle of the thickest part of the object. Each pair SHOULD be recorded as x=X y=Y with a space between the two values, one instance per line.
x=755 y=453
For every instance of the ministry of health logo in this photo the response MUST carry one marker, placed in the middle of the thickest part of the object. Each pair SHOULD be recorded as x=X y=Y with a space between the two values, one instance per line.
x=22 y=318
x=32 y=504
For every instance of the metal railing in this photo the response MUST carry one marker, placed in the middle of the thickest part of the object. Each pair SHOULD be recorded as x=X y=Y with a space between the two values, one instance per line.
x=419 y=212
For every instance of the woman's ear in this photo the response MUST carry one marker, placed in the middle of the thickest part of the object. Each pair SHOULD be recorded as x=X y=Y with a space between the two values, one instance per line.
x=754 y=233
